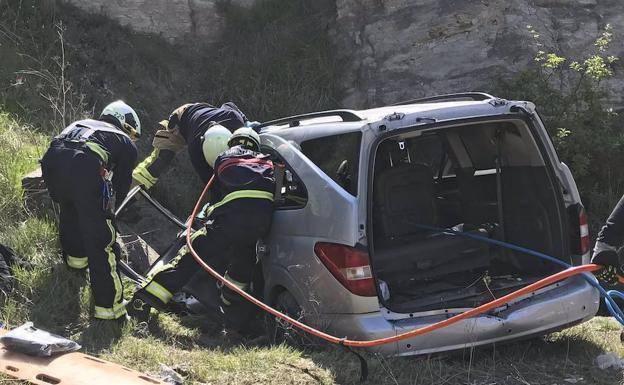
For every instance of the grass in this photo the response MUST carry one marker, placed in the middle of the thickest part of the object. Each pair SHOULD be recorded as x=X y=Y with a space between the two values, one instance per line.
x=59 y=301
x=287 y=41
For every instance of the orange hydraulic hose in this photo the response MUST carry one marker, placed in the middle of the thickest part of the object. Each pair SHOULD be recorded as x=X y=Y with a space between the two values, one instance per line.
x=381 y=341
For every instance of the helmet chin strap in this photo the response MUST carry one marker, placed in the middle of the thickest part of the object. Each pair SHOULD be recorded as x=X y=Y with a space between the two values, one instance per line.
x=130 y=131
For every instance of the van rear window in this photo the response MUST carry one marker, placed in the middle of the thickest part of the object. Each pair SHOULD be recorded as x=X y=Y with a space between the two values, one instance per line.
x=338 y=156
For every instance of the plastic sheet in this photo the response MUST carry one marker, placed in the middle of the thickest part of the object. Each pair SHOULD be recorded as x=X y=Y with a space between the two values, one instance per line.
x=29 y=340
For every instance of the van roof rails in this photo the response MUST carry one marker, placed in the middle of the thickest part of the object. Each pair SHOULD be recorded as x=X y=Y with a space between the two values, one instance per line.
x=294 y=121
x=476 y=96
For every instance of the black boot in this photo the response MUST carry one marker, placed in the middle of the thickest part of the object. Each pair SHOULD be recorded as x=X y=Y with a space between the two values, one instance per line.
x=140 y=306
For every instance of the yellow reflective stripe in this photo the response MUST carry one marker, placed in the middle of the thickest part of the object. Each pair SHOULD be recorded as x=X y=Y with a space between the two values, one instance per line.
x=240 y=285
x=225 y=301
x=77 y=262
x=154 y=287
x=159 y=291
x=150 y=159
x=144 y=178
x=118 y=310
x=142 y=175
x=255 y=194
x=173 y=263
x=99 y=150
x=112 y=261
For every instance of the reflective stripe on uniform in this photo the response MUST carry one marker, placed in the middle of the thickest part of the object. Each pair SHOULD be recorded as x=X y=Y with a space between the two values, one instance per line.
x=142 y=175
x=112 y=261
x=158 y=291
x=99 y=150
x=240 y=285
x=117 y=311
x=77 y=262
x=254 y=194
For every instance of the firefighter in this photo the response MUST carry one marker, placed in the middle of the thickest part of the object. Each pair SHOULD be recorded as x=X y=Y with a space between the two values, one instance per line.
x=244 y=186
x=86 y=165
x=609 y=239
x=185 y=127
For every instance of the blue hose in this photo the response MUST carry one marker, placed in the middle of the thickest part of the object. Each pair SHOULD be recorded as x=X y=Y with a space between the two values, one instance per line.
x=612 y=306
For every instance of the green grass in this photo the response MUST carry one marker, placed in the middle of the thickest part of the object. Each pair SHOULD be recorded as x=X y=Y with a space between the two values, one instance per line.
x=59 y=300
x=286 y=40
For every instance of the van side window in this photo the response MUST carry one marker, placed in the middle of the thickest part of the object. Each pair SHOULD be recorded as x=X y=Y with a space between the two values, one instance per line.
x=293 y=192
x=338 y=156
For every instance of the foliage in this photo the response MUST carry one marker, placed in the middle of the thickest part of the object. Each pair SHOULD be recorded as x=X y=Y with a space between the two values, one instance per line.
x=276 y=58
x=574 y=100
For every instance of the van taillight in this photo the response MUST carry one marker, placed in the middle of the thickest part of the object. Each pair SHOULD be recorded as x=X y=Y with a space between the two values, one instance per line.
x=350 y=266
x=584 y=231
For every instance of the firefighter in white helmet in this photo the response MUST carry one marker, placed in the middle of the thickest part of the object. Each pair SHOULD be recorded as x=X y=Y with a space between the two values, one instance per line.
x=184 y=128
x=243 y=189
x=87 y=164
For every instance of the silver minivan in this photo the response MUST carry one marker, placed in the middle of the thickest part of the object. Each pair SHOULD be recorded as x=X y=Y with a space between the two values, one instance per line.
x=358 y=246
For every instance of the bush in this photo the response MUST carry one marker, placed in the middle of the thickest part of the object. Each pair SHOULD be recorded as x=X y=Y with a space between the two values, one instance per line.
x=573 y=99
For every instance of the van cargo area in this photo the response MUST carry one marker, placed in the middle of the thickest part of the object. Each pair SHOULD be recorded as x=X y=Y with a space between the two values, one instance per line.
x=486 y=178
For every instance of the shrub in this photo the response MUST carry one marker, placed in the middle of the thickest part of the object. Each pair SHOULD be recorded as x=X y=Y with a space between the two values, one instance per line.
x=573 y=99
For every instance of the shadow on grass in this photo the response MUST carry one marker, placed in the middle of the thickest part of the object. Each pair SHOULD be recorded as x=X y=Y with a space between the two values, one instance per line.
x=60 y=304
x=100 y=335
x=204 y=330
x=57 y=301
x=555 y=359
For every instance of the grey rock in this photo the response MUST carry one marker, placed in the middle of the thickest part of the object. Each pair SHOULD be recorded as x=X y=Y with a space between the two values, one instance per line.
x=173 y=19
x=403 y=49
x=36 y=198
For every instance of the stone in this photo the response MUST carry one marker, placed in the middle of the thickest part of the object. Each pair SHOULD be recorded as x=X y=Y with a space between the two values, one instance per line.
x=403 y=49
x=172 y=19
x=36 y=197
x=396 y=50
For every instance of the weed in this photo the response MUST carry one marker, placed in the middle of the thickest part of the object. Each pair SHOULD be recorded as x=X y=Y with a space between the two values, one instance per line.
x=572 y=96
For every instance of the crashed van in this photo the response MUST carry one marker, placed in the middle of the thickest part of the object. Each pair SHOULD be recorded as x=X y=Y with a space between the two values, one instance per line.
x=360 y=246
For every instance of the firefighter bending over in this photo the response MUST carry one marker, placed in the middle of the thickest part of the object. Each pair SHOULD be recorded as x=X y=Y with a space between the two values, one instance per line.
x=85 y=163
x=244 y=186
x=185 y=127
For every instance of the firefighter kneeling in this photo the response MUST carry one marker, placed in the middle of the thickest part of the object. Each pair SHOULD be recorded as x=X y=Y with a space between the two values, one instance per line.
x=244 y=185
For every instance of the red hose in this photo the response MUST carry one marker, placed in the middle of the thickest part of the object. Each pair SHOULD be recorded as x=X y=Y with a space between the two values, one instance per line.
x=370 y=343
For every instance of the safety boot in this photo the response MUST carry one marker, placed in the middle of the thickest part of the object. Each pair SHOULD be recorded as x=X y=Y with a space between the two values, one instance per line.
x=140 y=305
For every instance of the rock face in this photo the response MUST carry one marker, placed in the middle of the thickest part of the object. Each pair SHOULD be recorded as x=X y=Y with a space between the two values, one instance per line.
x=173 y=19
x=404 y=49
x=400 y=49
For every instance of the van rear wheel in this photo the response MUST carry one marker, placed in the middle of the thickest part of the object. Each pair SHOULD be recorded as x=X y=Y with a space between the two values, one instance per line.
x=280 y=331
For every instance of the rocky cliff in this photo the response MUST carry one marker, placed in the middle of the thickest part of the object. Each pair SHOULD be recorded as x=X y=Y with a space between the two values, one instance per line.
x=172 y=19
x=402 y=49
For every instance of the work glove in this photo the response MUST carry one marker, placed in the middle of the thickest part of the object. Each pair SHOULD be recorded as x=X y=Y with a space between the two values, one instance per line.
x=612 y=272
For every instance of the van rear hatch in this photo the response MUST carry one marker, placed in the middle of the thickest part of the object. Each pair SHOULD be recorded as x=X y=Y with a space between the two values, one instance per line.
x=488 y=178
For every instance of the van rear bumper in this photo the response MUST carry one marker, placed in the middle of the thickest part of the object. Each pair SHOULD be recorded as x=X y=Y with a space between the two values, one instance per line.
x=567 y=303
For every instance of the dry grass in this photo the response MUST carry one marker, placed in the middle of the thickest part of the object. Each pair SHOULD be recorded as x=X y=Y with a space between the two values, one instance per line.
x=59 y=300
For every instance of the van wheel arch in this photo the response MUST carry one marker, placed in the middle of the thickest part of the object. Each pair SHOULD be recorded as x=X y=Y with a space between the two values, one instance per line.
x=280 y=331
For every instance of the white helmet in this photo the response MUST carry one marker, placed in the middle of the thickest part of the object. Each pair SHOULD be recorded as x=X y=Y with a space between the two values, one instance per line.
x=214 y=142
x=123 y=116
x=246 y=137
